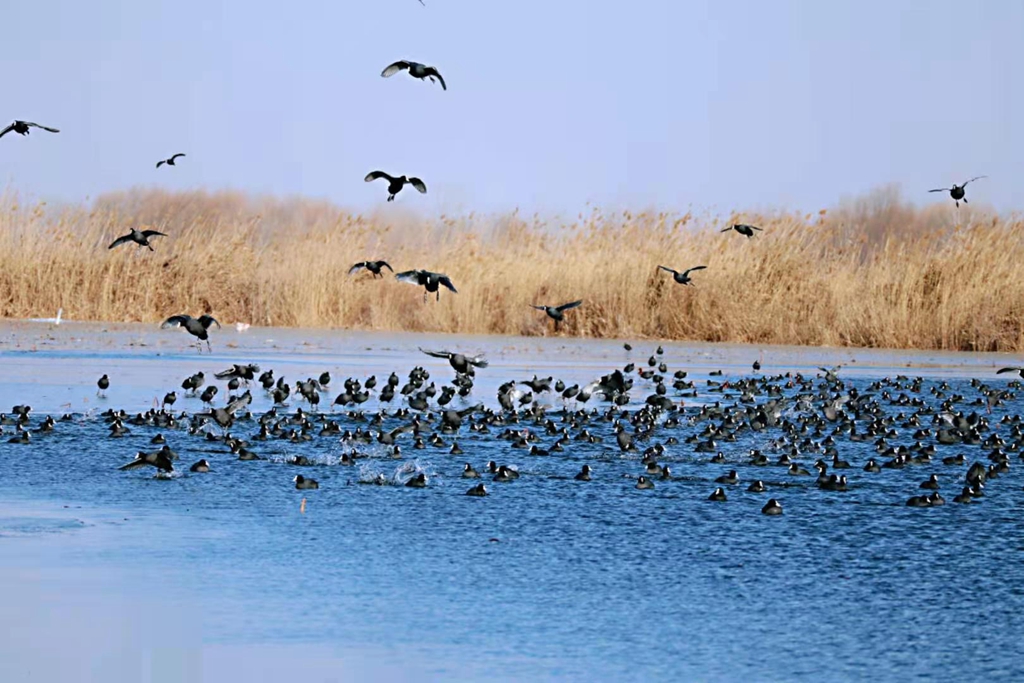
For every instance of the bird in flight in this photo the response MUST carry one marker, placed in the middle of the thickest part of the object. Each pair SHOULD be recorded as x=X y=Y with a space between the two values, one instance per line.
x=957 y=192
x=682 y=278
x=745 y=230
x=140 y=237
x=197 y=327
x=416 y=70
x=169 y=162
x=22 y=127
x=372 y=266
x=395 y=185
x=459 y=362
x=425 y=278
x=1019 y=371
x=557 y=313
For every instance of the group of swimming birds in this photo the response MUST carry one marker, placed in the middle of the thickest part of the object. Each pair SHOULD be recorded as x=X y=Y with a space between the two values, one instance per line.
x=766 y=433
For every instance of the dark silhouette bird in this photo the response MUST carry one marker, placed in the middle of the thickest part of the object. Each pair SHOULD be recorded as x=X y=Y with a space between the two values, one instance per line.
x=201 y=467
x=303 y=483
x=743 y=229
x=416 y=70
x=103 y=383
x=140 y=237
x=197 y=327
x=372 y=266
x=957 y=192
x=395 y=185
x=425 y=278
x=158 y=459
x=169 y=162
x=682 y=278
x=22 y=128
x=460 y=363
x=1019 y=371
x=557 y=313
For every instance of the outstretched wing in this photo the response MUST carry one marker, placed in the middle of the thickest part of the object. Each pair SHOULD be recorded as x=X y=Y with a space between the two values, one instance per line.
x=431 y=71
x=152 y=233
x=1002 y=370
x=175 y=156
x=476 y=361
x=161 y=163
x=539 y=308
x=392 y=69
x=675 y=272
x=36 y=125
x=418 y=184
x=374 y=175
x=726 y=229
x=410 y=276
x=176 y=321
x=207 y=320
x=437 y=354
x=690 y=270
x=120 y=240
x=356 y=267
x=385 y=264
x=973 y=179
x=940 y=189
x=134 y=464
x=566 y=307
x=6 y=130
x=444 y=280
x=752 y=227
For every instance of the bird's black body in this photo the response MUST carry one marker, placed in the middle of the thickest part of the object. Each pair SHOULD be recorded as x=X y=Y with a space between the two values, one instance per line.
x=683 y=277
x=169 y=162
x=395 y=185
x=373 y=266
x=197 y=327
x=140 y=237
x=958 y=192
x=743 y=229
x=557 y=313
x=428 y=280
x=22 y=128
x=416 y=70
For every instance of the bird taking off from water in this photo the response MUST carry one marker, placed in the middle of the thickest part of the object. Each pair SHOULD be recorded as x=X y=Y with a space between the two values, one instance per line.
x=22 y=128
x=1019 y=371
x=197 y=327
x=957 y=192
x=169 y=162
x=372 y=266
x=557 y=313
x=140 y=237
x=682 y=278
x=745 y=230
x=459 y=362
x=425 y=278
x=395 y=185
x=416 y=70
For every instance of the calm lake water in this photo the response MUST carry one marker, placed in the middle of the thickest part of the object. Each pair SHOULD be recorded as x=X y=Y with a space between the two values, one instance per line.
x=221 y=576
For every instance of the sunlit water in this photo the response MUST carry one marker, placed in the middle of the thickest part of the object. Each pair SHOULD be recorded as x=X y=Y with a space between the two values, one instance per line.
x=545 y=578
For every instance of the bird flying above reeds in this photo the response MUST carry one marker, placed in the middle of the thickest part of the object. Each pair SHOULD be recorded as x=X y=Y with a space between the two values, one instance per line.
x=22 y=127
x=957 y=192
x=169 y=162
x=683 y=277
x=395 y=185
x=557 y=313
x=416 y=70
x=197 y=327
x=372 y=266
x=140 y=237
x=424 y=278
x=743 y=229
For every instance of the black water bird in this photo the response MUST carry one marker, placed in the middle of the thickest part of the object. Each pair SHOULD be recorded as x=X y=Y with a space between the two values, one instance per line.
x=197 y=327
x=302 y=483
x=169 y=162
x=158 y=459
x=22 y=128
x=957 y=192
x=743 y=229
x=557 y=313
x=683 y=277
x=201 y=467
x=459 y=362
x=373 y=266
x=395 y=185
x=416 y=70
x=140 y=237
x=103 y=384
x=432 y=282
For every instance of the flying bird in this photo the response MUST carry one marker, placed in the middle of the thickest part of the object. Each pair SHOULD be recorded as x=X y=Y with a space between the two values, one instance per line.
x=169 y=162
x=140 y=237
x=1019 y=371
x=372 y=266
x=745 y=230
x=683 y=278
x=197 y=327
x=416 y=70
x=22 y=127
x=425 y=278
x=395 y=185
x=459 y=362
x=957 y=191
x=557 y=313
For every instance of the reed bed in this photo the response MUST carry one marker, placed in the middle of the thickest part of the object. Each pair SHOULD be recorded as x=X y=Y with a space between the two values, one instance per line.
x=872 y=272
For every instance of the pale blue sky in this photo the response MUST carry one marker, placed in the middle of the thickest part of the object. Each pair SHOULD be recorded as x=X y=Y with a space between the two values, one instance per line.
x=551 y=103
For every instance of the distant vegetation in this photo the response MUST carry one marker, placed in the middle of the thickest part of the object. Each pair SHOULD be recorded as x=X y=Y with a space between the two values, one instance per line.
x=872 y=272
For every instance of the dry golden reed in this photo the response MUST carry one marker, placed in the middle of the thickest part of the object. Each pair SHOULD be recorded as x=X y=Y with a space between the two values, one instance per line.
x=873 y=272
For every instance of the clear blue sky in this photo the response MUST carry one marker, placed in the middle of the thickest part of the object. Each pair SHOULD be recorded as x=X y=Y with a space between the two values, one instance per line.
x=551 y=103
